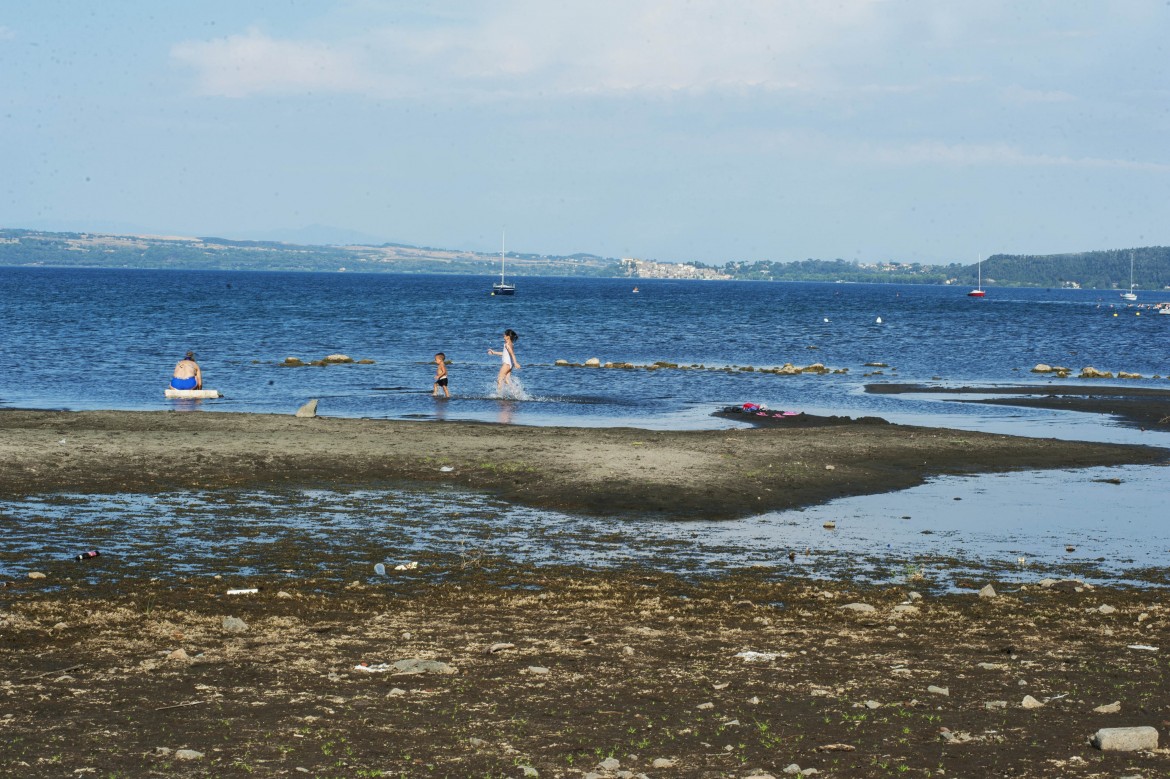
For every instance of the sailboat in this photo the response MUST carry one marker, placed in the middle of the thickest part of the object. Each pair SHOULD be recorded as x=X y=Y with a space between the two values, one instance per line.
x=1131 y=295
x=502 y=287
x=978 y=291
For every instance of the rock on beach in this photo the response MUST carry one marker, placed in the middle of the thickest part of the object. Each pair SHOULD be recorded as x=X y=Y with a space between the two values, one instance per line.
x=1125 y=739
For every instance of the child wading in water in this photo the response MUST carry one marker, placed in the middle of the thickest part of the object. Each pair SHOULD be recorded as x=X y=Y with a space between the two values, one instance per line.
x=508 y=359
x=441 y=375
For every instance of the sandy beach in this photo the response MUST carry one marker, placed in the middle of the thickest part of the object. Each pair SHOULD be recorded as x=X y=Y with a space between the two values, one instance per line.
x=489 y=667
x=682 y=474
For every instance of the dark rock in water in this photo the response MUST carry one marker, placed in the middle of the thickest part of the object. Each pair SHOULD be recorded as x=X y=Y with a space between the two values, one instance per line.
x=772 y=418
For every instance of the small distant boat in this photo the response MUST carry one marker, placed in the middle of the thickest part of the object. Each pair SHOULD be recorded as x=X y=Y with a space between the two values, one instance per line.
x=1131 y=295
x=502 y=287
x=978 y=291
x=635 y=289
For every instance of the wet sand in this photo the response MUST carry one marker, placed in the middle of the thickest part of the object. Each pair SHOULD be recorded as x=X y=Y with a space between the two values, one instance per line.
x=681 y=474
x=553 y=671
x=1147 y=408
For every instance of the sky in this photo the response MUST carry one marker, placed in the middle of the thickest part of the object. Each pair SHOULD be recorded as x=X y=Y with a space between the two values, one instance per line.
x=914 y=130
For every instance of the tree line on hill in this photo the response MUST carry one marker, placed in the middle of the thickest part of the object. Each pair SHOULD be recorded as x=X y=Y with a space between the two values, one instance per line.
x=1107 y=269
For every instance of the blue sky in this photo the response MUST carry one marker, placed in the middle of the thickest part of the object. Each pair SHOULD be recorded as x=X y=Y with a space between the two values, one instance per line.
x=864 y=129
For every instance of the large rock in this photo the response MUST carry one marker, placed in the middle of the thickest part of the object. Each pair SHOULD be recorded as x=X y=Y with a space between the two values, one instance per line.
x=336 y=358
x=593 y=362
x=1125 y=739
x=1089 y=372
x=1042 y=368
x=308 y=410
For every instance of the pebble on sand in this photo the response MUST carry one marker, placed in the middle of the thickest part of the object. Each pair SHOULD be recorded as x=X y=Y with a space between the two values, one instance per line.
x=234 y=625
x=1125 y=739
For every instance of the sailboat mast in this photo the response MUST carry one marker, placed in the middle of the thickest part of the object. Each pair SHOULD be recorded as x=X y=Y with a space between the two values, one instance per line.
x=502 y=235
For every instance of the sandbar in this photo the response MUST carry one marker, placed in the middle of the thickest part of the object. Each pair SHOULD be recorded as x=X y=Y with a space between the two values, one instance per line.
x=1142 y=407
x=709 y=474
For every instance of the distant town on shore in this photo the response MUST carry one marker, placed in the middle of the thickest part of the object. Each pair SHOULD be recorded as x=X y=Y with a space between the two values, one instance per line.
x=1103 y=269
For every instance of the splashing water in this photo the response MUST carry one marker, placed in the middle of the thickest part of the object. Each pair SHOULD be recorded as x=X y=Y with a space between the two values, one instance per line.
x=513 y=389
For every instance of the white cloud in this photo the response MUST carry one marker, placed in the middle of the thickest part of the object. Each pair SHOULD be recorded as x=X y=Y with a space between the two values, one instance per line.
x=546 y=48
x=7 y=33
x=251 y=63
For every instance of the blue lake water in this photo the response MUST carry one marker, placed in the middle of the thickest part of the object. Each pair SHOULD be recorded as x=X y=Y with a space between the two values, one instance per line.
x=84 y=339
x=107 y=339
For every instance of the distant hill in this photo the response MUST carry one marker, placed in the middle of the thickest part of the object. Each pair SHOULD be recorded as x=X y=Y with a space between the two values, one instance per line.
x=32 y=247
x=1089 y=270
x=1107 y=269
x=319 y=235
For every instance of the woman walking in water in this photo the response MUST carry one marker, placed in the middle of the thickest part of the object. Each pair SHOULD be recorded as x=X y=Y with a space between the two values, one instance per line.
x=508 y=359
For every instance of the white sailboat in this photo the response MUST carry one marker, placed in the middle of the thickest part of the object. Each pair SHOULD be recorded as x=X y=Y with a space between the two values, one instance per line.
x=1131 y=295
x=502 y=287
x=978 y=291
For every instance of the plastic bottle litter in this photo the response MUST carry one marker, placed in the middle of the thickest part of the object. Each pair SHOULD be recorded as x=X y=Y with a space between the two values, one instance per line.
x=380 y=569
x=87 y=555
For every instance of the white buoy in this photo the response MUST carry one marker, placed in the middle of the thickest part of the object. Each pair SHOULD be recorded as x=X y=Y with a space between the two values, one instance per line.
x=879 y=320
x=826 y=319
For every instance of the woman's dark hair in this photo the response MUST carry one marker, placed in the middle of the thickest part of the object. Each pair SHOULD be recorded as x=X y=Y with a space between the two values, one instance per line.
x=190 y=355
x=512 y=334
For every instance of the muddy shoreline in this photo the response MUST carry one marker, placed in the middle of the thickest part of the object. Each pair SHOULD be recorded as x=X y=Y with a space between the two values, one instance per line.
x=562 y=670
x=677 y=474
x=1147 y=408
x=476 y=666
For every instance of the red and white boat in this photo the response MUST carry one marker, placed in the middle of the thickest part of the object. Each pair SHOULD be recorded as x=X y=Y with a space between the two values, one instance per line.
x=978 y=291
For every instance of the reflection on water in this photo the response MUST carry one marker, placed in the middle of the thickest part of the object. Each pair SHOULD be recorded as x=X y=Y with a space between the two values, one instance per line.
x=507 y=412
x=1016 y=527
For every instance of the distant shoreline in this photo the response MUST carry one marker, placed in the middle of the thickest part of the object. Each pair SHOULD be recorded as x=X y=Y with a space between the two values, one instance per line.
x=1104 y=271
x=709 y=474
